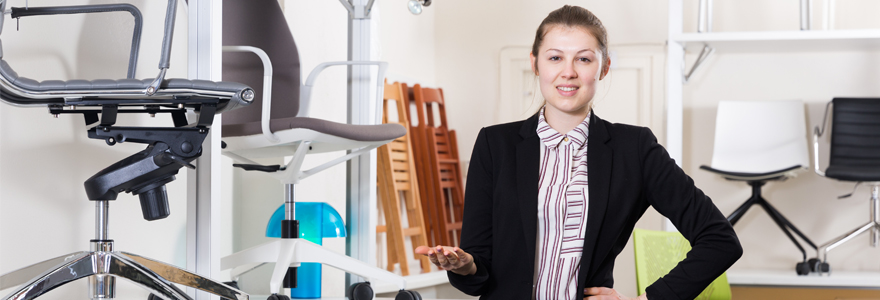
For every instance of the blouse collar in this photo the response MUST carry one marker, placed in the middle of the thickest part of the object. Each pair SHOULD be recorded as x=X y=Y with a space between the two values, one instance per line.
x=552 y=138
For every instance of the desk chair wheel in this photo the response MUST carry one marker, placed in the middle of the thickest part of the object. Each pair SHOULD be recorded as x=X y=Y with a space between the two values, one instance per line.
x=819 y=266
x=802 y=268
x=361 y=291
x=408 y=295
x=278 y=297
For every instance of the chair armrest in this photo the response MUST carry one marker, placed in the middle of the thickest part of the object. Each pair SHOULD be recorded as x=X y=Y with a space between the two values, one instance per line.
x=165 y=53
x=306 y=91
x=18 y=12
x=267 y=88
x=817 y=133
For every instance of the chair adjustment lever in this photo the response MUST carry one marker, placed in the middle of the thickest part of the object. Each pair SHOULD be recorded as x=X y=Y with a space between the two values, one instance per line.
x=262 y=168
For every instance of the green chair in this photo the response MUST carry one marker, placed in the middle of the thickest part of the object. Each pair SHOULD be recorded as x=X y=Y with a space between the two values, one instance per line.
x=657 y=252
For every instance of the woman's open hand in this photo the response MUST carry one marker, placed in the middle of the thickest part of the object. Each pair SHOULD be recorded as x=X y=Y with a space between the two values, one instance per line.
x=604 y=293
x=450 y=259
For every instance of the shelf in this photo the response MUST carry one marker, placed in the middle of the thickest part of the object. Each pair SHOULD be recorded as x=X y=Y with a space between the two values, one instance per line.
x=788 y=278
x=784 y=41
x=414 y=282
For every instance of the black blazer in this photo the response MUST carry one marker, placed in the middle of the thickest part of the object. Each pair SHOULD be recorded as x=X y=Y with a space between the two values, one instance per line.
x=628 y=171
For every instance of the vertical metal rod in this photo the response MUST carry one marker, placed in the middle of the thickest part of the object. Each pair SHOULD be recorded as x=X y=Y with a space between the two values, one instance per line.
x=101 y=219
x=709 y=15
x=701 y=17
x=805 y=14
x=875 y=211
x=289 y=204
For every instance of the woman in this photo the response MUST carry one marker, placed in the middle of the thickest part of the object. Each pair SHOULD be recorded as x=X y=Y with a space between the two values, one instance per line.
x=552 y=200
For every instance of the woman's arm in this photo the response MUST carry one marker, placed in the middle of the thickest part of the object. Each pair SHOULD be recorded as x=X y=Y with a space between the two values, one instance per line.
x=476 y=231
x=715 y=246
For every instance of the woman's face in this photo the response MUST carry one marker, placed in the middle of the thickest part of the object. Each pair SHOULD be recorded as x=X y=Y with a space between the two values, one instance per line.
x=568 y=67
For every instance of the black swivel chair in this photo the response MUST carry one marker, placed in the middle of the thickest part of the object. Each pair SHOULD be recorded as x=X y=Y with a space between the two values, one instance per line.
x=144 y=173
x=854 y=157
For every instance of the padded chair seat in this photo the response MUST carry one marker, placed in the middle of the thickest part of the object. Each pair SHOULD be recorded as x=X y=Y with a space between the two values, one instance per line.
x=111 y=84
x=850 y=173
x=732 y=175
x=365 y=133
x=127 y=86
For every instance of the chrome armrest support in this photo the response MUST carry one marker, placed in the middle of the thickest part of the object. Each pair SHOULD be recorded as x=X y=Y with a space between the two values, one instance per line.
x=817 y=133
x=306 y=91
x=165 y=58
x=267 y=87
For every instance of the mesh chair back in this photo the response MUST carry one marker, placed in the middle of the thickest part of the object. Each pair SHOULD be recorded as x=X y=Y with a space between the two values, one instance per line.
x=260 y=24
x=760 y=136
x=657 y=252
x=855 y=140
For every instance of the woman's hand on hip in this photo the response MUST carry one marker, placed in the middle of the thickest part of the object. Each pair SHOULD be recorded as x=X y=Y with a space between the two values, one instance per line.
x=604 y=293
x=450 y=259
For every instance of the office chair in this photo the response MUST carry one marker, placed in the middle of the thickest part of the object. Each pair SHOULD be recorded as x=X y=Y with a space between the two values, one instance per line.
x=657 y=252
x=757 y=142
x=144 y=173
x=277 y=125
x=854 y=157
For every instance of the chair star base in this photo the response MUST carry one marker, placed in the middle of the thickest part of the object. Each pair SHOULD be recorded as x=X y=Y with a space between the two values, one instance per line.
x=102 y=266
x=872 y=226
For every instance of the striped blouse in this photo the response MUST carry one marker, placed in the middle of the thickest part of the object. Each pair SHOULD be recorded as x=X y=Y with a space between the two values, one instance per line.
x=562 y=210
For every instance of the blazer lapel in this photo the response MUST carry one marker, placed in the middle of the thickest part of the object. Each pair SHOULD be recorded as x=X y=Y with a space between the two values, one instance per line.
x=528 y=163
x=599 y=175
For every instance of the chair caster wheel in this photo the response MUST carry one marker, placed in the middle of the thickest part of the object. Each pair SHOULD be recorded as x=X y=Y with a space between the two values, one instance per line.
x=823 y=267
x=802 y=268
x=232 y=284
x=278 y=297
x=814 y=264
x=408 y=295
x=361 y=291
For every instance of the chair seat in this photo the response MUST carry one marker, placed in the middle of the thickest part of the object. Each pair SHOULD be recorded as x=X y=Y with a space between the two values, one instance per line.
x=852 y=173
x=743 y=176
x=121 y=88
x=364 y=133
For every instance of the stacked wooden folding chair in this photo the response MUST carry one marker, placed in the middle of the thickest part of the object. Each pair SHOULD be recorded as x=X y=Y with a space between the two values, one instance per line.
x=396 y=179
x=439 y=168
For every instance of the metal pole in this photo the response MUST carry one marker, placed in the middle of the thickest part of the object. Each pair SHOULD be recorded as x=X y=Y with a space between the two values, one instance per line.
x=361 y=181
x=806 y=15
x=203 y=193
x=709 y=15
x=701 y=16
x=102 y=209
x=875 y=211
x=289 y=204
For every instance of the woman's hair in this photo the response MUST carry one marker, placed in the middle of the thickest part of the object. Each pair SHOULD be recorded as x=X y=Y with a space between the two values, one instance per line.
x=574 y=17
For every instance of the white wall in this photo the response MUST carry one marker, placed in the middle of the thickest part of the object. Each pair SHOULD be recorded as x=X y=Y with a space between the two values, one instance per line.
x=44 y=211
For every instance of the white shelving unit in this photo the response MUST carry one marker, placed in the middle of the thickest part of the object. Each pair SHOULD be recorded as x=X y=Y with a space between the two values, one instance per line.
x=757 y=42
x=789 y=279
x=784 y=41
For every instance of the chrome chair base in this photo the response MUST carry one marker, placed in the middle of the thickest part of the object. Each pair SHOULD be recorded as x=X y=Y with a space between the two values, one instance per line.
x=102 y=268
x=872 y=226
